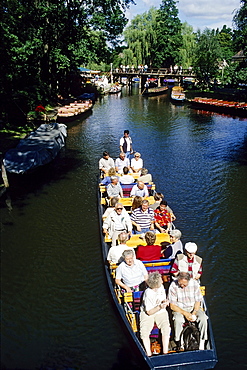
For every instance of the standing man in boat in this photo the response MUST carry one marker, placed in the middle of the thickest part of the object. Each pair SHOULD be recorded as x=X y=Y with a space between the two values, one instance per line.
x=185 y=302
x=126 y=144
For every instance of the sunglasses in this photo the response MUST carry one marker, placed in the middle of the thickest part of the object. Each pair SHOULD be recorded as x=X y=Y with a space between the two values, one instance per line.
x=119 y=208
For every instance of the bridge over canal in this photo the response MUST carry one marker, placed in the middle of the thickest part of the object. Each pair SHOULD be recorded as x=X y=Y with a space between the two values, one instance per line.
x=160 y=74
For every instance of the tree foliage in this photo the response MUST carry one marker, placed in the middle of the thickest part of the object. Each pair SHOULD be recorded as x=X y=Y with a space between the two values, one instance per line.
x=207 y=55
x=187 y=49
x=141 y=39
x=168 y=33
x=43 y=42
x=240 y=21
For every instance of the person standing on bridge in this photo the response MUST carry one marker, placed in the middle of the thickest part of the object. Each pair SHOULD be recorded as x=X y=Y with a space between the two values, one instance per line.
x=126 y=144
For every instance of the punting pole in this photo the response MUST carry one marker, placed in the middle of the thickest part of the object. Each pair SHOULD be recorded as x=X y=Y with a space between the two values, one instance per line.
x=4 y=175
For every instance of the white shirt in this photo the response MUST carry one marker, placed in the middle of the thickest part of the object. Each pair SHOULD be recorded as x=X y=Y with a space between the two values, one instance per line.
x=115 y=253
x=120 y=164
x=126 y=179
x=128 y=141
x=106 y=164
x=135 y=191
x=152 y=298
x=136 y=164
x=131 y=275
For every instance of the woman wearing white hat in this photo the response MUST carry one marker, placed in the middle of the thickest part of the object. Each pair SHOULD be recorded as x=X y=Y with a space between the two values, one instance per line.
x=188 y=262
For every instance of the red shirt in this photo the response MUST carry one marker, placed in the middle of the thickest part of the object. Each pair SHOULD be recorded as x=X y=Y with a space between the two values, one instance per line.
x=148 y=252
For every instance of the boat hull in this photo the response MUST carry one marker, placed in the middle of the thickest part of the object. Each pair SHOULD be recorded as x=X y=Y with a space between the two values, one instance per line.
x=73 y=117
x=222 y=109
x=152 y=91
x=38 y=149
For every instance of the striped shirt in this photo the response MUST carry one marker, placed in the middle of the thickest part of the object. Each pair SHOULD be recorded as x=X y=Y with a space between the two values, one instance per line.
x=185 y=297
x=190 y=262
x=143 y=219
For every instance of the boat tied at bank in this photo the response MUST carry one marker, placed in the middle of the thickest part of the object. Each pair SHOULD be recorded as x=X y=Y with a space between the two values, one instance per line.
x=232 y=108
x=40 y=147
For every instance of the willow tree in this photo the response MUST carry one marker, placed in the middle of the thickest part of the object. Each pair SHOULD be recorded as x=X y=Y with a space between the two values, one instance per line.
x=168 y=33
x=140 y=37
x=186 y=51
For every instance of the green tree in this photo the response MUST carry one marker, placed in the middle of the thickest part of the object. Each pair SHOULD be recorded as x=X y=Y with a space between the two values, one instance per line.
x=207 y=56
x=43 y=42
x=168 y=33
x=141 y=39
x=226 y=43
x=240 y=21
x=186 y=51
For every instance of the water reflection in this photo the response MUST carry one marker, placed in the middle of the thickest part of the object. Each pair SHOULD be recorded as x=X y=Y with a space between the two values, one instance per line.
x=56 y=311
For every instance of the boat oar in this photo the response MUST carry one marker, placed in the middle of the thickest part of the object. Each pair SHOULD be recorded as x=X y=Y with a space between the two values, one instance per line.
x=143 y=90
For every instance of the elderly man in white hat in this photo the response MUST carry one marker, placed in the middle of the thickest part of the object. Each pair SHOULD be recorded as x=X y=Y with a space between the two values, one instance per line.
x=188 y=262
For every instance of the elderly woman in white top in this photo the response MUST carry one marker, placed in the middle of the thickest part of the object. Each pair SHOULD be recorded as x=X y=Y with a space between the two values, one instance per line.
x=136 y=163
x=153 y=311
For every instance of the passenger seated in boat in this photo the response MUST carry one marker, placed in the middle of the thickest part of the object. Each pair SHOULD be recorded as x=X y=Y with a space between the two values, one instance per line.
x=113 y=202
x=106 y=162
x=185 y=299
x=158 y=197
x=114 y=188
x=163 y=217
x=126 y=178
x=143 y=218
x=122 y=162
x=130 y=273
x=136 y=163
x=149 y=252
x=188 y=262
x=107 y=180
x=176 y=246
x=153 y=311
x=145 y=176
x=115 y=252
x=117 y=222
x=139 y=189
x=136 y=203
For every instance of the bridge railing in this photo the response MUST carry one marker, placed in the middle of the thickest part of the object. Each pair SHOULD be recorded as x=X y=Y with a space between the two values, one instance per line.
x=158 y=71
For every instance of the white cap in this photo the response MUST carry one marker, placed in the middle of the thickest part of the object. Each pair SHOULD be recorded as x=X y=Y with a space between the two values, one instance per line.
x=191 y=247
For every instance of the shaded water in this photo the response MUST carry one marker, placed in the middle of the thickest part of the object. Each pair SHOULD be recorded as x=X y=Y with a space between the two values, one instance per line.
x=56 y=312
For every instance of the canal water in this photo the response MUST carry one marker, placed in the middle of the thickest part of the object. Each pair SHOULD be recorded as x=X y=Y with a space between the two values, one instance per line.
x=55 y=309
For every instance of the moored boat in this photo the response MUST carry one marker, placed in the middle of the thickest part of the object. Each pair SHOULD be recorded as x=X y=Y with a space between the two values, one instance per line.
x=151 y=91
x=38 y=149
x=128 y=303
x=73 y=111
x=221 y=106
x=115 y=89
x=177 y=94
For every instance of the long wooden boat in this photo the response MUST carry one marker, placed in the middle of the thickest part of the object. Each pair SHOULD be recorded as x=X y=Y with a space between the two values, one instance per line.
x=73 y=111
x=190 y=360
x=177 y=94
x=38 y=149
x=232 y=108
x=151 y=91
x=115 y=89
